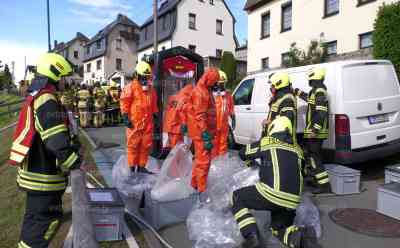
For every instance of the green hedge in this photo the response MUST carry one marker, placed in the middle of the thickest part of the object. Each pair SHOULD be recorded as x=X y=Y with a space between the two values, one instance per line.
x=228 y=65
x=386 y=35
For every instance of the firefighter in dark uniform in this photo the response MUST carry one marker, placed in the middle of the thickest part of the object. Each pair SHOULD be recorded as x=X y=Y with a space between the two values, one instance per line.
x=67 y=97
x=317 y=126
x=282 y=103
x=99 y=97
x=83 y=105
x=114 y=93
x=278 y=191
x=44 y=153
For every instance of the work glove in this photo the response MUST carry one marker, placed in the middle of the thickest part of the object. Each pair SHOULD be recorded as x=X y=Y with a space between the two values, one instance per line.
x=126 y=121
x=206 y=136
x=233 y=122
x=184 y=129
x=208 y=146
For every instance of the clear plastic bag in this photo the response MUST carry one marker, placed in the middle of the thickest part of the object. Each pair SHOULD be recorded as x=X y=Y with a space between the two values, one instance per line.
x=129 y=184
x=173 y=182
x=212 y=229
x=307 y=214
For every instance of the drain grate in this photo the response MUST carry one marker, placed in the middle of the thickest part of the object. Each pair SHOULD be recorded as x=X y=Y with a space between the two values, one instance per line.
x=366 y=221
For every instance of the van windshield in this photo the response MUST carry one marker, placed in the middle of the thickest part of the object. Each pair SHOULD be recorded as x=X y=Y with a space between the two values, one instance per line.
x=367 y=81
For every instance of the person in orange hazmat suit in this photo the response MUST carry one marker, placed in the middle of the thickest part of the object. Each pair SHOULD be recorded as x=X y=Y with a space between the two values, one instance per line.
x=201 y=127
x=171 y=125
x=183 y=100
x=138 y=104
x=225 y=109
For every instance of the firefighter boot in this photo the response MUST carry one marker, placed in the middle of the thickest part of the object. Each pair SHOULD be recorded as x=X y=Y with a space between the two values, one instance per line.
x=144 y=170
x=309 y=238
x=322 y=189
x=252 y=241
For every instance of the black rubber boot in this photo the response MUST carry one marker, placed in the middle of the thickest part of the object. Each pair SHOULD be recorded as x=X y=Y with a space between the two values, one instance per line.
x=252 y=241
x=144 y=170
x=309 y=238
x=322 y=189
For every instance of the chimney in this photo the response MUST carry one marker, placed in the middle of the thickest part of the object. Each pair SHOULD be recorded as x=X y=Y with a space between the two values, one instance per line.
x=55 y=44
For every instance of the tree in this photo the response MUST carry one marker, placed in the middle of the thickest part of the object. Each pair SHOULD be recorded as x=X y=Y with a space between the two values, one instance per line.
x=386 y=35
x=5 y=77
x=228 y=65
x=315 y=54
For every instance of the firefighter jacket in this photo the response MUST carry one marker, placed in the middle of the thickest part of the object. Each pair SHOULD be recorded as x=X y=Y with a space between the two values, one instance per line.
x=67 y=99
x=284 y=104
x=99 y=98
x=114 y=97
x=42 y=146
x=183 y=101
x=317 y=112
x=281 y=181
x=83 y=99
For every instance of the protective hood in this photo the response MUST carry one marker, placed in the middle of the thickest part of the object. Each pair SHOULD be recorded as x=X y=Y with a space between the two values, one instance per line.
x=209 y=78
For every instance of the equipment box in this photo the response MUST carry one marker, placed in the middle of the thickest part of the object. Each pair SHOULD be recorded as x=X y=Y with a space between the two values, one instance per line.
x=343 y=180
x=392 y=174
x=389 y=200
x=161 y=214
x=107 y=212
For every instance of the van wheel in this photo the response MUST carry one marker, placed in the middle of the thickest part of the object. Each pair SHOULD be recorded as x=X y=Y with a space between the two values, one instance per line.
x=231 y=141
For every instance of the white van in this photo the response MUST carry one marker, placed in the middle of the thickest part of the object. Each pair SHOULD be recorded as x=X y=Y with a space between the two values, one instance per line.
x=364 y=104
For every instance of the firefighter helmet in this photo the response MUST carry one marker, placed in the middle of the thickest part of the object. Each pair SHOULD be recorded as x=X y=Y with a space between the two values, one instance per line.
x=222 y=77
x=279 y=80
x=281 y=125
x=317 y=74
x=54 y=66
x=143 y=69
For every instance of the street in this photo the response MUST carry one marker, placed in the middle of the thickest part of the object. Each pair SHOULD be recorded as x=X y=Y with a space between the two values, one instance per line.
x=333 y=235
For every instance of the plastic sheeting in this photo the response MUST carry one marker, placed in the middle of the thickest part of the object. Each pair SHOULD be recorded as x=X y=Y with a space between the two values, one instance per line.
x=307 y=214
x=173 y=182
x=133 y=185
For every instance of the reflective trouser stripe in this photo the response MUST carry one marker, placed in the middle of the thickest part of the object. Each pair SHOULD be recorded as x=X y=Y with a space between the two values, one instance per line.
x=51 y=230
x=241 y=213
x=288 y=231
x=246 y=222
x=36 y=186
x=22 y=244
x=70 y=160
x=323 y=181
x=40 y=177
x=277 y=198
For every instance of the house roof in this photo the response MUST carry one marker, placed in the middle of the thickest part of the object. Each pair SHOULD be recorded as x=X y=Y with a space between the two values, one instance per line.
x=62 y=45
x=121 y=19
x=254 y=4
x=168 y=6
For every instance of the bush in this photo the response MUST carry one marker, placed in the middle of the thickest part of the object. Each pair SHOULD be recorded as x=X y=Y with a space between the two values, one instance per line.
x=228 y=65
x=386 y=35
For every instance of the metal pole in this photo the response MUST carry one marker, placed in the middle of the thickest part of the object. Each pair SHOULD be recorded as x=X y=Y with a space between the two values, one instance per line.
x=48 y=25
x=155 y=22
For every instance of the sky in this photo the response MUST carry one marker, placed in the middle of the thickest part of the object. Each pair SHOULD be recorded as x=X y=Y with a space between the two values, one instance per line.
x=23 y=32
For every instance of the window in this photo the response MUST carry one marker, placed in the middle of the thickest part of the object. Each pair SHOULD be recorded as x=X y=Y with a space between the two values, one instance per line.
x=366 y=40
x=331 y=7
x=285 y=58
x=219 y=27
x=244 y=93
x=218 y=53
x=98 y=64
x=265 y=63
x=88 y=67
x=192 y=48
x=118 y=63
x=76 y=54
x=212 y=2
x=88 y=50
x=362 y=2
x=118 y=44
x=265 y=25
x=331 y=48
x=286 y=17
x=192 y=21
x=98 y=44
x=164 y=22
x=145 y=33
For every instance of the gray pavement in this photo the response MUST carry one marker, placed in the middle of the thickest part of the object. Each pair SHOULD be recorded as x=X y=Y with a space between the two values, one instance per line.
x=333 y=235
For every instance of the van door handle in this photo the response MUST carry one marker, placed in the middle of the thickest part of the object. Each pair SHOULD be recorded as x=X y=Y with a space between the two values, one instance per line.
x=248 y=108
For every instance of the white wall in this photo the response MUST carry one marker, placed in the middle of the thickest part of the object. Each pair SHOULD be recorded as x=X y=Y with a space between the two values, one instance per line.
x=308 y=24
x=166 y=44
x=99 y=75
x=204 y=37
x=77 y=45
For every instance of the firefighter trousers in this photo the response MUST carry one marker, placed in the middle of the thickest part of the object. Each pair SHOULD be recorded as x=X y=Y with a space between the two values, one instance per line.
x=83 y=117
x=201 y=166
x=42 y=218
x=248 y=198
x=313 y=154
x=98 y=118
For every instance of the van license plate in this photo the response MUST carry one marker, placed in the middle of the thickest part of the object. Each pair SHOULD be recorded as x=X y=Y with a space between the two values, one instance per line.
x=378 y=119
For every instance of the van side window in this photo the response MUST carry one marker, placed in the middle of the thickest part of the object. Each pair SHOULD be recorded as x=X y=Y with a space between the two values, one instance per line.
x=243 y=94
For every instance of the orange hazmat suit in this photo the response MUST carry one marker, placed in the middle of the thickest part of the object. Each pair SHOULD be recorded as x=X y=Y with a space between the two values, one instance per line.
x=140 y=105
x=202 y=125
x=171 y=124
x=225 y=108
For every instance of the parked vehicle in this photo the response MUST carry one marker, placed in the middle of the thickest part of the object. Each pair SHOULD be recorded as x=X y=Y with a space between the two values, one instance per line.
x=364 y=116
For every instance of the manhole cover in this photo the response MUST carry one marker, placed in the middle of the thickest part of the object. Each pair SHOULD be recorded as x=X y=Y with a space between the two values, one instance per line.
x=366 y=221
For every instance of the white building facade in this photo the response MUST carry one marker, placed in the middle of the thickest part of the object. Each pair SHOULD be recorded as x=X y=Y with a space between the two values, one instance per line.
x=207 y=27
x=273 y=25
